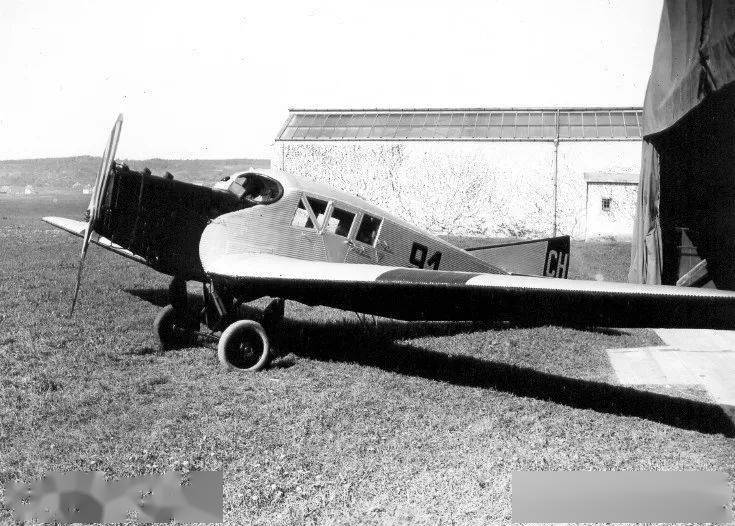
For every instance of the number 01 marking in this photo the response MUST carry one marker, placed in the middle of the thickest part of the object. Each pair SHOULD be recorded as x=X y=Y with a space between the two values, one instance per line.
x=419 y=254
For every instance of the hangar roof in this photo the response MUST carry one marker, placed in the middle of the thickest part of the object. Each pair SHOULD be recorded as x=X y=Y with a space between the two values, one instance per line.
x=611 y=177
x=473 y=124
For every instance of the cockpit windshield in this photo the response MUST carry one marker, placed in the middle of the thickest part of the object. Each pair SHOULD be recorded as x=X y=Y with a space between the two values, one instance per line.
x=256 y=189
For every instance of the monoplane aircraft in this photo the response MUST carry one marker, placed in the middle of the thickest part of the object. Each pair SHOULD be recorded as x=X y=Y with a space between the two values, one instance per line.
x=265 y=233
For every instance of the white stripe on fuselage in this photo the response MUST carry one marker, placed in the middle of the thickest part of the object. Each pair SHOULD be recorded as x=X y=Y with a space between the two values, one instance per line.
x=280 y=267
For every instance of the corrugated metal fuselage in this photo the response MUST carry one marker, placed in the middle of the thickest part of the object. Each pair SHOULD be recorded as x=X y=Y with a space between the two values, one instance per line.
x=268 y=229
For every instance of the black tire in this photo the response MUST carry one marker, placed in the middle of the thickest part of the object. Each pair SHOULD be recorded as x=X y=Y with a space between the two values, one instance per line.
x=273 y=314
x=244 y=345
x=172 y=329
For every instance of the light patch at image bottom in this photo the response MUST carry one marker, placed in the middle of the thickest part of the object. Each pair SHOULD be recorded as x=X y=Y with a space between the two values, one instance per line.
x=620 y=496
x=86 y=497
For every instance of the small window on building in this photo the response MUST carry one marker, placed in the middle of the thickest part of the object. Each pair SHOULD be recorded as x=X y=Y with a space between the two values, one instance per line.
x=340 y=222
x=368 y=231
x=606 y=204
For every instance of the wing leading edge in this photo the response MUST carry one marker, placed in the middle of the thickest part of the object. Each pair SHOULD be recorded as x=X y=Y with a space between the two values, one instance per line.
x=77 y=228
x=415 y=294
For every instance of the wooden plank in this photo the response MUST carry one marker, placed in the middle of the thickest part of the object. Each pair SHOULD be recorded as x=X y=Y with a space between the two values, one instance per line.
x=636 y=366
x=698 y=339
x=713 y=370
x=674 y=366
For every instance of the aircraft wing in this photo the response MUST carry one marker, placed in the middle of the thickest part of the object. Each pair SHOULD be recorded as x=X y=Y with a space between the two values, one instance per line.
x=416 y=294
x=77 y=228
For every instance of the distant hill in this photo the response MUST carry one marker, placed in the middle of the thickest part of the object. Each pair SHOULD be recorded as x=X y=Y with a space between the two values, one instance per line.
x=61 y=173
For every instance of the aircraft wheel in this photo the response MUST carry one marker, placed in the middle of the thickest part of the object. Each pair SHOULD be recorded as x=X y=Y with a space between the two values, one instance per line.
x=244 y=345
x=172 y=330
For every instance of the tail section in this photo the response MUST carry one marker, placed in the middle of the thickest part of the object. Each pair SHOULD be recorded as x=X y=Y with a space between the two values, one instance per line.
x=537 y=257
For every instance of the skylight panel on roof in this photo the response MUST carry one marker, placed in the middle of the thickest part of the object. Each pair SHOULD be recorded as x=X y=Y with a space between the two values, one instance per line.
x=332 y=120
x=465 y=125
x=631 y=119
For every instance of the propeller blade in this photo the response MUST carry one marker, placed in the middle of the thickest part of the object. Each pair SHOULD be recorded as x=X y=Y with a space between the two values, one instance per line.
x=76 y=288
x=100 y=186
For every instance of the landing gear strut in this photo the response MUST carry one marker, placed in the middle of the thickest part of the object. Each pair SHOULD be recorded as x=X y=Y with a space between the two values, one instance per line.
x=244 y=343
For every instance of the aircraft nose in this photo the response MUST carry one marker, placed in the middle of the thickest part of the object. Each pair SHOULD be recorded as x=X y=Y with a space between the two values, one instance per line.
x=213 y=242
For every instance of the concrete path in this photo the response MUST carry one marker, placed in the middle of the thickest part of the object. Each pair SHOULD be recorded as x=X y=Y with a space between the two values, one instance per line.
x=690 y=357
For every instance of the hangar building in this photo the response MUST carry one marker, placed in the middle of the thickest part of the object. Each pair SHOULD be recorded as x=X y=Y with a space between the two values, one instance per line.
x=687 y=181
x=521 y=172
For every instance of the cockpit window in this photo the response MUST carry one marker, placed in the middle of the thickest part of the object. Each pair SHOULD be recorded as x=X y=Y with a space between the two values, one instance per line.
x=340 y=222
x=368 y=231
x=256 y=189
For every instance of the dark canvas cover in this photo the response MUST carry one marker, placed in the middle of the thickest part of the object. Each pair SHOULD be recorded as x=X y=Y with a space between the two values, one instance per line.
x=687 y=178
x=694 y=57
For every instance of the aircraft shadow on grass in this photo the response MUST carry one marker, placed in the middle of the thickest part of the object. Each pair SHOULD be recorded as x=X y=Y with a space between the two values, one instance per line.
x=376 y=345
x=337 y=342
x=158 y=297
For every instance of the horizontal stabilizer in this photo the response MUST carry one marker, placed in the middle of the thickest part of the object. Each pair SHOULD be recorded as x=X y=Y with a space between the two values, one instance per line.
x=537 y=257
x=696 y=277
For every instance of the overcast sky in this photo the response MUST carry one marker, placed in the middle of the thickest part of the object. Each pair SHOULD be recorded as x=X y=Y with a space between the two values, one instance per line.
x=215 y=79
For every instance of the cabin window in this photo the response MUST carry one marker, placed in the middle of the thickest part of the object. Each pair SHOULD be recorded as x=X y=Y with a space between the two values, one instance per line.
x=319 y=208
x=301 y=217
x=606 y=204
x=308 y=206
x=368 y=231
x=340 y=222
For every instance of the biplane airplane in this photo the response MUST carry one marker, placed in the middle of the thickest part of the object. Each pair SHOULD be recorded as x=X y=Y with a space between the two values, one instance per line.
x=265 y=233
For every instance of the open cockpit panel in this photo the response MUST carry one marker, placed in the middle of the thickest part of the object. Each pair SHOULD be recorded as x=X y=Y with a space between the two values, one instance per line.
x=252 y=188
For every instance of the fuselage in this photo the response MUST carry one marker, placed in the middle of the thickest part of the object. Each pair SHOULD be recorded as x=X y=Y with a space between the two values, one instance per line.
x=159 y=219
x=313 y=221
x=179 y=227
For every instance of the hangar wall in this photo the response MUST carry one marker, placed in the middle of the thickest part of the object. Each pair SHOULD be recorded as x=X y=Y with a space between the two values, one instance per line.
x=491 y=188
x=616 y=220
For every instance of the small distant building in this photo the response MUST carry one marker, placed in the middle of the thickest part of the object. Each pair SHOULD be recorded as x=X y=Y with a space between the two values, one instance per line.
x=610 y=208
x=87 y=189
x=76 y=186
x=29 y=190
x=5 y=189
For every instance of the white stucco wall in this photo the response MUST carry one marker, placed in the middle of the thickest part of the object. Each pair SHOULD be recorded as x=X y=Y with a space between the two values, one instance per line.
x=576 y=158
x=464 y=188
x=615 y=223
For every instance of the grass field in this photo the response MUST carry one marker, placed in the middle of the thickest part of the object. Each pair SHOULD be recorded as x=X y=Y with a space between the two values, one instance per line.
x=354 y=423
